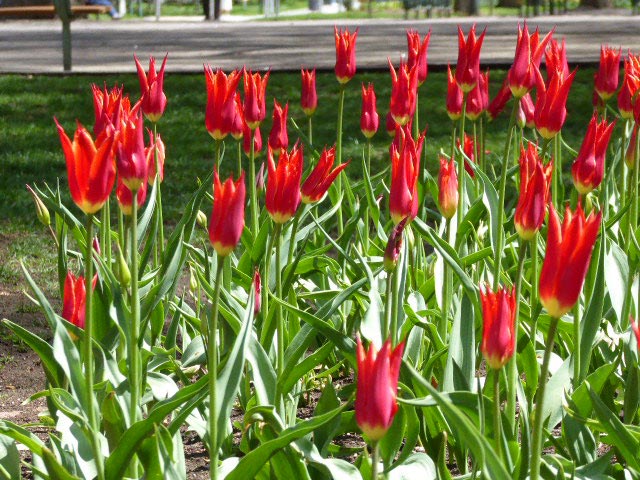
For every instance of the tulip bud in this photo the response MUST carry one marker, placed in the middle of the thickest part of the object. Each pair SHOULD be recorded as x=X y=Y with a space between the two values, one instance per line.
x=41 y=210
x=122 y=271
x=498 y=326
x=630 y=156
x=448 y=188
x=193 y=280
x=345 y=54
x=260 y=178
x=201 y=219
x=257 y=286
x=636 y=331
x=394 y=244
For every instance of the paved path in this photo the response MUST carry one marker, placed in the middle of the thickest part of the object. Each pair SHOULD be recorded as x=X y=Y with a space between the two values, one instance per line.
x=107 y=47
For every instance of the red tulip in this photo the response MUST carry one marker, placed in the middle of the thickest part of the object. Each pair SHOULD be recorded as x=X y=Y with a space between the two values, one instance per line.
x=418 y=53
x=535 y=180
x=636 y=331
x=125 y=197
x=221 y=95
x=394 y=246
x=74 y=299
x=497 y=105
x=469 y=149
x=468 y=67
x=630 y=155
x=321 y=178
x=90 y=168
x=255 y=88
x=283 y=184
x=556 y=60
x=478 y=98
x=566 y=261
x=309 y=96
x=227 y=216
x=551 y=110
x=606 y=78
x=257 y=287
x=588 y=168
x=278 y=138
x=498 y=325
x=454 y=97
x=404 y=87
x=237 y=125
x=131 y=160
x=369 y=120
x=447 y=188
x=630 y=85
x=526 y=112
x=246 y=140
x=345 y=54
x=155 y=151
x=377 y=385
x=106 y=107
x=524 y=73
x=153 y=98
x=405 y=167
x=390 y=125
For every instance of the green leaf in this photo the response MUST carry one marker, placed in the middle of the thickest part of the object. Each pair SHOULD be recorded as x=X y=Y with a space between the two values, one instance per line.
x=462 y=350
x=251 y=464
x=418 y=465
x=590 y=324
x=9 y=459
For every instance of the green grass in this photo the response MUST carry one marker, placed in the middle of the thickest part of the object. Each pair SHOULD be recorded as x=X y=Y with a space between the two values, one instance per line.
x=30 y=149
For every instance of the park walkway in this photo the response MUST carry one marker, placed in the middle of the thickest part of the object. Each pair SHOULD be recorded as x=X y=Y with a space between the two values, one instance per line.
x=107 y=46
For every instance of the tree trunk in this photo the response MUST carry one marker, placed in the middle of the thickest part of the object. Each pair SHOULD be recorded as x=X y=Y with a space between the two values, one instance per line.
x=596 y=3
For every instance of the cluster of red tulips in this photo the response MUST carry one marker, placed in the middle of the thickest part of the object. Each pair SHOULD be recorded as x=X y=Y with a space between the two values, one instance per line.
x=500 y=295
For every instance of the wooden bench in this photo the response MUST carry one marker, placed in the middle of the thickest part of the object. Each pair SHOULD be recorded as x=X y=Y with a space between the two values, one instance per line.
x=50 y=10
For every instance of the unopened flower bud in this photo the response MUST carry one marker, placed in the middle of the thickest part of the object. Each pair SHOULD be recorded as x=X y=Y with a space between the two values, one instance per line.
x=193 y=280
x=257 y=285
x=394 y=244
x=201 y=218
x=260 y=178
x=122 y=271
x=41 y=210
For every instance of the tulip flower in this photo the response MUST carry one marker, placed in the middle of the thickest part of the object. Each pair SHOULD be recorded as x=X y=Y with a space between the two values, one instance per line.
x=478 y=98
x=246 y=140
x=227 y=216
x=469 y=149
x=606 y=78
x=551 y=110
x=556 y=60
x=377 y=385
x=394 y=246
x=418 y=54
x=447 y=188
x=566 y=261
x=636 y=331
x=535 y=180
x=153 y=99
x=237 y=125
x=90 y=168
x=468 y=67
x=405 y=166
x=283 y=183
x=74 y=299
x=221 y=95
x=345 y=54
x=454 y=97
x=390 y=125
x=498 y=325
x=369 y=120
x=526 y=112
x=155 y=150
x=106 y=107
x=524 y=73
x=404 y=87
x=131 y=160
x=309 y=96
x=125 y=197
x=588 y=168
x=630 y=85
x=278 y=138
x=255 y=88
x=321 y=178
x=257 y=287
x=497 y=105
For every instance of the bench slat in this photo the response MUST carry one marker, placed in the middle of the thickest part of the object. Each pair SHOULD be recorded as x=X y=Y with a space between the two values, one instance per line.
x=50 y=10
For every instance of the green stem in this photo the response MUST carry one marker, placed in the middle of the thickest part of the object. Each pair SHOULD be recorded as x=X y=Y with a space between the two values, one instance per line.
x=294 y=232
x=252 y=188
x=212 y=366
x=160 y=242
x=447 y=290
x=482 y=149
x=239 y=149
x=536 y=446
x=387 y=306
x=557 y=169
x=339 y=151
x=310 y=129
x=106 y=231
x=375 y=460
x=88 y=350
x=497 y=426
x=533 y=245
x=501 y=193
x=217 y=160
x=576 y=346
x=512 y=366
x=461 y=170
x=280 y=324
x=135 y=365
x=636 y=178
x=366 y=210
x=395 y=301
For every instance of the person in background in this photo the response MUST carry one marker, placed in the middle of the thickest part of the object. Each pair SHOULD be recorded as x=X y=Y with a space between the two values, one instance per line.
x=115 y=15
